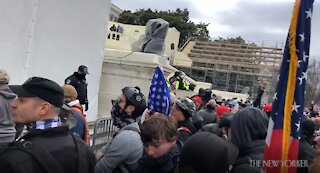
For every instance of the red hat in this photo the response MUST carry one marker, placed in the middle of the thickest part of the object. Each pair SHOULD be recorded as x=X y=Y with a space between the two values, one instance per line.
x=222 y=109
x=267 y=108
x=197 y=99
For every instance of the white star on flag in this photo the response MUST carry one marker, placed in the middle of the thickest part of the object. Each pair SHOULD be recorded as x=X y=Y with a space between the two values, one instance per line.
x=305 y=75
x=299 y=61
x=301 y=37
x=275 y=96
x=298 y=126
x=300 y=80
x=305 y=57
x=309 y=13
x=295 y=107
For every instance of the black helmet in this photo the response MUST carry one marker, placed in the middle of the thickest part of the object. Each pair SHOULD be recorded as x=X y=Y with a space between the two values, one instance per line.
x=208 y=92
x=187 y=106
x=179 y=73
x=135 y=97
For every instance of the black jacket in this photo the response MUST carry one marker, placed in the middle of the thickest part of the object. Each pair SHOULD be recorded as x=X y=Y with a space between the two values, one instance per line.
x=164 y=164
x=248 y=132
x=57 y=142
x=257 y=101
x=306 y=151
x=253 y=151
x=80 y=84
x=186 y=129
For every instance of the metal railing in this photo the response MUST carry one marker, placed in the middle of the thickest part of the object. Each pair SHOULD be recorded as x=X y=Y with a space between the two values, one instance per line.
x=103 y=131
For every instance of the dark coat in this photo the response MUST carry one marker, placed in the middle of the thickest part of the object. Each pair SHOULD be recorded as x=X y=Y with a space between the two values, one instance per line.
x=248 y=132
x=257 y=101
x=186 y=129
x=80 y=84
x=306 y=151
x=164 y=164
x=56 y=141
x=208 y=115
x=253 y=151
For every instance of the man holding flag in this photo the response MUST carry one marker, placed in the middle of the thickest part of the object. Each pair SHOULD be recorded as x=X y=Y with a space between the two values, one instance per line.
x=282 y=141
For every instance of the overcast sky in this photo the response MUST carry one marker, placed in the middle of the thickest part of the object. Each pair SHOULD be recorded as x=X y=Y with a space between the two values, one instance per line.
x=254 y=20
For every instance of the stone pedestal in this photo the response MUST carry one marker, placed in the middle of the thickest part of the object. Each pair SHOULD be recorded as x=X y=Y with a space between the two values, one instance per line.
x=124 y=68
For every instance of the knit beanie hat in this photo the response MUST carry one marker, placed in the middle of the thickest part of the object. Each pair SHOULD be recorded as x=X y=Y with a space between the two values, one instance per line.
x=69 y=91
x=4 y=77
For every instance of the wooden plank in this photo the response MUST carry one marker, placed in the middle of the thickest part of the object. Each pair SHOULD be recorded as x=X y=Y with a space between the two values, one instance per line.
x=231 y=53
x=236 y=45
x=227 y=71
x=236 y=49
x=232 y=63
x=253 y=59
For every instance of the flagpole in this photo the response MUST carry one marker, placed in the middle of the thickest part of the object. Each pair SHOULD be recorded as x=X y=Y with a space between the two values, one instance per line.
x=291 y=84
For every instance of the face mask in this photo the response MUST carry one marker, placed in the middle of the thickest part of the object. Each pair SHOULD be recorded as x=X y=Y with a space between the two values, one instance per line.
x=119 y=116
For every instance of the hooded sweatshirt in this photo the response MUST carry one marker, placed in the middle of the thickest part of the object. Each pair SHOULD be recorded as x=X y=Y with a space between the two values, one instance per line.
x=248 y=132
x=306 y=151
x=7 y=129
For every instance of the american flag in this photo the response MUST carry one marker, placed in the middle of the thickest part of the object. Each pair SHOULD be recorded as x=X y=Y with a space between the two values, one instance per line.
x=159 y=94
x=282 y=142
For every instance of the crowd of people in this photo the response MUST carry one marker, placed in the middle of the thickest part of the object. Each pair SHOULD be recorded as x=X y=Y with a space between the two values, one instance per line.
x=203 y=134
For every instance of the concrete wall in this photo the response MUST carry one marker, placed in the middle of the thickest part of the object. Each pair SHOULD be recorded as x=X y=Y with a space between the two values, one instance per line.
x=181 y=59
x=52 y=38
x=124 y=68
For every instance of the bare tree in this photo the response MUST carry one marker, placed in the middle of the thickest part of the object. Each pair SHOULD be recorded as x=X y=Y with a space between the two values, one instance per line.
x=313 y=82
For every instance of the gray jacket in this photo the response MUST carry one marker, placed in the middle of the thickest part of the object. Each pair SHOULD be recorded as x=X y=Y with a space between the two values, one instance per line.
x=7 y=129
x=123 y=153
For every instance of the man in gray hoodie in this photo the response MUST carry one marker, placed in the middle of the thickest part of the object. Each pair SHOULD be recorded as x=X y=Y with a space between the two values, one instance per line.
x=7 y=129
x=126 y=148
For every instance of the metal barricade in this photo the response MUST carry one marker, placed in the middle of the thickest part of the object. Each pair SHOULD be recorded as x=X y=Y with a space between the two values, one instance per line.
x=102 y=133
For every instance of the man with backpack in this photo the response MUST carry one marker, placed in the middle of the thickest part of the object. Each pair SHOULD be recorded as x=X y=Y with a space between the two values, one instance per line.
x=47 y=146
x=121 y=155
x=81 y=128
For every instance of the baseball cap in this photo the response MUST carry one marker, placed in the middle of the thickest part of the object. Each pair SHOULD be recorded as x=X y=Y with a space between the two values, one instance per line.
x=267 y=108
x=43 y=88
x=83 y=69
x=206 y=152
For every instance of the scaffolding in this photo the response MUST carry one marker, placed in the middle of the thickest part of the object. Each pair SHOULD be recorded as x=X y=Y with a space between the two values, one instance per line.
x=233 y=67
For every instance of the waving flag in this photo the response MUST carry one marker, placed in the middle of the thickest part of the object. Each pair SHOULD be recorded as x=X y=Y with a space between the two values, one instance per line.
x=282 y=142
x=159 y=94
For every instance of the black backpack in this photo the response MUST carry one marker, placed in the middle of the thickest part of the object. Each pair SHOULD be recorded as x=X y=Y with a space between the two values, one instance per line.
x=43 y=156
